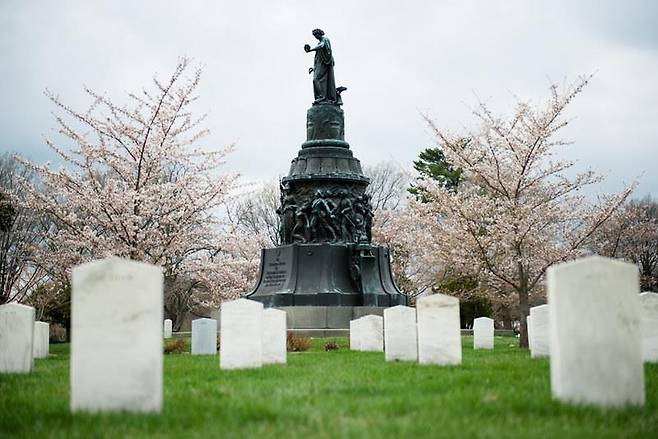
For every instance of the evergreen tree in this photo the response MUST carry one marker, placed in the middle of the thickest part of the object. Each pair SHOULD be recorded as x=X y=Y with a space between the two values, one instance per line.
x=432 y=164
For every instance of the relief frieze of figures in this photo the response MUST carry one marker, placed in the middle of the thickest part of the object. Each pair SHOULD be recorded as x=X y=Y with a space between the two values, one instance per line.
x=325 y=214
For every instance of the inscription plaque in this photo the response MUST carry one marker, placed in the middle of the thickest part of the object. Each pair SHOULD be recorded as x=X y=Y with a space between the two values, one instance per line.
x=276 y=274
x=277 y=269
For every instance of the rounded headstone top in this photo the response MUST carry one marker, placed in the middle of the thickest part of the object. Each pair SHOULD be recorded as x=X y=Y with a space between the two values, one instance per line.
x=594 y=262
x=649 y=296
x=437 y=300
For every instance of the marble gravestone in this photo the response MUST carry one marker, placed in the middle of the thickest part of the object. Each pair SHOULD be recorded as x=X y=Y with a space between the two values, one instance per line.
x=355 y=331
x=116 y=336
x=649 y=325
x=241 y=332
x=439 y=335
x=41 y=345
x=400 y=335
x=167 y=328
x=16 y=338
x=274 y=336
x=528 y=320
x=483 y=333
x=540 y=332
x=368 y=334
x=596 y=349
x=204 y=337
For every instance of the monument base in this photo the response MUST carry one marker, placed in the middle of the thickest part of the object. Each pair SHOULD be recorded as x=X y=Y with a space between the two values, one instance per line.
x=326 y=317
x=326 y=275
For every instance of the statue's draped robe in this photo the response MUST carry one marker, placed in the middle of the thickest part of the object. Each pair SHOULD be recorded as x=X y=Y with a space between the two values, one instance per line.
x=324 y=83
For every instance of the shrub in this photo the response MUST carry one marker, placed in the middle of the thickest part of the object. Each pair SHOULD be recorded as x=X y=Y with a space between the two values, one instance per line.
x=174 y=346
x=57 y=333
x=331 y=346
x=297 y=343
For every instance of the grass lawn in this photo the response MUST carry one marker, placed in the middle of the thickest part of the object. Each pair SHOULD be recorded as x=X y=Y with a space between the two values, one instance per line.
x=502 y=394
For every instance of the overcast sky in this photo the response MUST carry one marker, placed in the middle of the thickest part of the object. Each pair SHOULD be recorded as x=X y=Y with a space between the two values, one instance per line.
x=398 y=59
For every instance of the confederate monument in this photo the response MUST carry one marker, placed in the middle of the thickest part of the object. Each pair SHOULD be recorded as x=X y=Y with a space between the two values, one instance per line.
x=325 y=265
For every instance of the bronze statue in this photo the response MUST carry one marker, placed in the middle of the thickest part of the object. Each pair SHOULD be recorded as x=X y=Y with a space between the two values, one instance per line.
x=324 y=82
x=345 y=212
x=367 y=216
x=300 y=231
x=287 y=212
x=322 y=218
x=359 y=222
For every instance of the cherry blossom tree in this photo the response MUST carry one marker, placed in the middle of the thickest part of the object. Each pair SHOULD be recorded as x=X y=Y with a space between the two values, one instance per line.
x=233 y=271
x=21 y=233
x=138 y=184
x=254 y=211
x=520 y=208
x=415 y=259
x=399 y=228
x=632 y=234
x=416 y=262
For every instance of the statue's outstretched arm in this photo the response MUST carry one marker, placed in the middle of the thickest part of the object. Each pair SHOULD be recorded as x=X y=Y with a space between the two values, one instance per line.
x=319 y=46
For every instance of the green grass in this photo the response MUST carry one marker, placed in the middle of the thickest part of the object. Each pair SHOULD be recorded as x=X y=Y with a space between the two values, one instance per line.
x=502 y=394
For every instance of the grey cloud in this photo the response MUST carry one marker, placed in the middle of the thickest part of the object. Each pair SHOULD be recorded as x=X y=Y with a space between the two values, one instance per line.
x=398 y=59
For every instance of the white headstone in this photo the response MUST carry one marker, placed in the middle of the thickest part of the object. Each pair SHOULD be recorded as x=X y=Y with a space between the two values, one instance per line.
x=116 y=336
x=16 y=338
x=540 y=331
x=483 y=333
x=649 y=302
x=204 y=337
x=400 y=335
x=274 y=336
x=355 y=332
x=596 y=350
x=439 y=335
x=167 y=328
x=528 y=320
x=41 y=345
x=241 y=334
x=368 y=333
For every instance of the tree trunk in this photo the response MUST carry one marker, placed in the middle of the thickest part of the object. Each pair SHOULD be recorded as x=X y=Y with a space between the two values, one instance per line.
x=505 y=316
x=524 y=309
